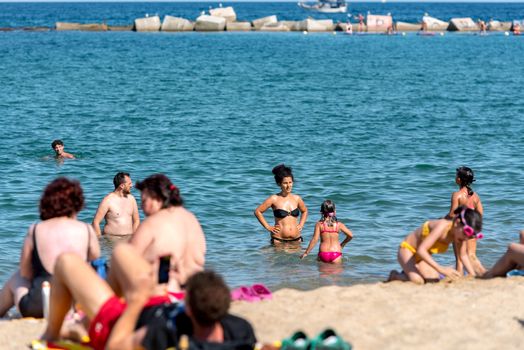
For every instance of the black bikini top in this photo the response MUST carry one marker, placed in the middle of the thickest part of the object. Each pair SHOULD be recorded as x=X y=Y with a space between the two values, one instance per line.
x=281 y=213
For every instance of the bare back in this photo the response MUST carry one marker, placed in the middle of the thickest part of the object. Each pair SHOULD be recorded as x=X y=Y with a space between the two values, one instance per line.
x=62 y=235
x=172 y=231
x=329 y=237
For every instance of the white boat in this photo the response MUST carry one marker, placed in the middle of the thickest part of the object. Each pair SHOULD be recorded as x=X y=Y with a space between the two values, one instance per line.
x=326 y=6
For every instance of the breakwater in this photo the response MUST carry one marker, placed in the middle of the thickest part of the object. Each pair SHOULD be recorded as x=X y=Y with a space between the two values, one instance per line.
x=225 y=19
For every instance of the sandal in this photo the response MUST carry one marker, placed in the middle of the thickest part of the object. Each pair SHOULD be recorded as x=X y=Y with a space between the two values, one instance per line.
x=329 y=340
x=298 y=341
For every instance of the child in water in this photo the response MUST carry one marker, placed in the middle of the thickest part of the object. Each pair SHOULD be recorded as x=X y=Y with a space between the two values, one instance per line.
x=465 y=196
x=327 y=228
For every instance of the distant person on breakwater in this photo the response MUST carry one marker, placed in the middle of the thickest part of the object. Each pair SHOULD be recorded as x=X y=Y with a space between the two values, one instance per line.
x=118 y=208
x=511 y=260
x=169 y=231
x=482 y=26
x=327 y=229
x=58 y=147
x=360 y=22
x=58 y=232
x=433 y=237
x=466 y=197
x=286 y=209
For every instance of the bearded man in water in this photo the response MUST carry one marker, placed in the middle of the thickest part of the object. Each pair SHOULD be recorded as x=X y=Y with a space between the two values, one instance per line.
x=119 y=209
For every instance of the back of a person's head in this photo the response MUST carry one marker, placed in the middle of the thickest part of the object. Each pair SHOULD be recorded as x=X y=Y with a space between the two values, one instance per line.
x=61 y=197
x=119 y=179
x=161 y=188
x=465 y=175
x=281 y=171
x=469 y=217
x=208 y=297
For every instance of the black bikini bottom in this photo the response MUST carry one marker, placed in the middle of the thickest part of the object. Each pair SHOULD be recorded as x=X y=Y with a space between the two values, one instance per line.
x=273 y=239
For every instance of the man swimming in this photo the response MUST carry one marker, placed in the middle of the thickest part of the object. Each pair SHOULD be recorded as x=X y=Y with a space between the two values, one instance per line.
x=58 y=147
x=118 y=208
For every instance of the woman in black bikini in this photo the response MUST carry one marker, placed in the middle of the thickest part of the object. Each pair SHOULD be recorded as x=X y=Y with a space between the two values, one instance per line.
x=57 y=233
x=286 y=209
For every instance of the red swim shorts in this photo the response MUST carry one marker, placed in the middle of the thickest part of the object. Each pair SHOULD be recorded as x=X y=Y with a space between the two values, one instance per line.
x=103 y=323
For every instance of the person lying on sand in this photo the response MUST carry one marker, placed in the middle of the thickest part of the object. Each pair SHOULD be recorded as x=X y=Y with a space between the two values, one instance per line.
x=511 y=260
x=145 y=320
x=435 y=236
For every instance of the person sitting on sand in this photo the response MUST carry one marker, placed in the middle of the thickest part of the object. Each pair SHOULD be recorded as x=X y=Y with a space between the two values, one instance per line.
x=169 y=230
x=286 y=209
x=58 y=232
x=58 y=147
x=118 y=208
x=327 y=229
x=466 y=197
x=511 y=260
x=145 y=320
x=414 y=253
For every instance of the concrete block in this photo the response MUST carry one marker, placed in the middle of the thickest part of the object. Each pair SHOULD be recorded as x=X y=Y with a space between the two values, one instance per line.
x=274 y=27
x=93 y=27
x=378 y=23
x=148 y=24
x=434 y=24
x=238 y=26
x=498 y=26
x=258 y=23
x=226 y=12
x=407 y=27
x=207 y=23
x=322 y=25
x=295 y=26
x=176 y=24
x=463 y=25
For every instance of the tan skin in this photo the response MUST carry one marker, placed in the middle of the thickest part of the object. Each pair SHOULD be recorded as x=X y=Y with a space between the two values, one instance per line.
x=54 y=237
x=329 y=241
x=512 y=259
x=428 y=269
x=284 y=228
x=462 y=198
x=133 y=275
x=173 y=231
x=120 y=211
x=60 y=153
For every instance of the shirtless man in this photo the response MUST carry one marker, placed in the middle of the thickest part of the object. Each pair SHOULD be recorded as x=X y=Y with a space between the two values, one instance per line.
x=119 y=209
x=58 y=146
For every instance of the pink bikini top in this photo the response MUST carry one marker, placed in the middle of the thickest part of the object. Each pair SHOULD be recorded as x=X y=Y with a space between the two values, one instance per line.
x=326 y=229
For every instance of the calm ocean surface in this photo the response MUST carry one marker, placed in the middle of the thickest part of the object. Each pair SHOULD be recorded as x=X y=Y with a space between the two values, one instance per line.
x=376 y=123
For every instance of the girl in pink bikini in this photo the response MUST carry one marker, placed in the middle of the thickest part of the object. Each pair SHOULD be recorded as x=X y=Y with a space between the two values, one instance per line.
x=327 y=228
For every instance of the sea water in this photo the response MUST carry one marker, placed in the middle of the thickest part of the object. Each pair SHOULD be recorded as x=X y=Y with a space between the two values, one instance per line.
x=376 y=123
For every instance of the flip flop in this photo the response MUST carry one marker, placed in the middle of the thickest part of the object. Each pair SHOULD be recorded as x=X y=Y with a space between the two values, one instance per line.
x=329 y=340
x=298 y=341
x=244 y=293
x=262 y=291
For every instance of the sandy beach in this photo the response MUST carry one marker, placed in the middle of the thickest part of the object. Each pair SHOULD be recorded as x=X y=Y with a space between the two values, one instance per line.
x=468 y=314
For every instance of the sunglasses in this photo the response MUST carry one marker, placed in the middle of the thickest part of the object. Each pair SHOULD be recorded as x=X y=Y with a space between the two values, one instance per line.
x=468 y=230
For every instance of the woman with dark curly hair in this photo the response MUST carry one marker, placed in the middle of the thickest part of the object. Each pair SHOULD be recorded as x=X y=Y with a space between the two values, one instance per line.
x=58 y=232
x=170 y=231
x=287 y=207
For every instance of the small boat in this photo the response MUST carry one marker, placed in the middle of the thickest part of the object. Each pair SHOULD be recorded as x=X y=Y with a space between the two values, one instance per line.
x=326 y=6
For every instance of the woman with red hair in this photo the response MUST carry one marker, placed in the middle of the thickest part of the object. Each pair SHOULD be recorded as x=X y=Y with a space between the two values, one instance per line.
x=59 y=232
